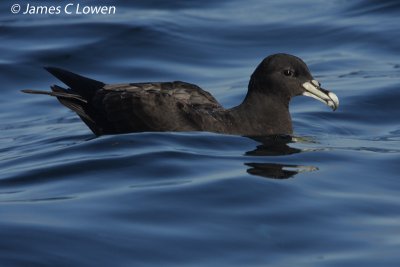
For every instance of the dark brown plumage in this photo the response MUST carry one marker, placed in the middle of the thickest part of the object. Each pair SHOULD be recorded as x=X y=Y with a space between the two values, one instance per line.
x=180 y=106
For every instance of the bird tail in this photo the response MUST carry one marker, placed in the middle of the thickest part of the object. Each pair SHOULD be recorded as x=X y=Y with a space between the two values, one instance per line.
x=59 y=94
x=77 y=98
x=83 y=86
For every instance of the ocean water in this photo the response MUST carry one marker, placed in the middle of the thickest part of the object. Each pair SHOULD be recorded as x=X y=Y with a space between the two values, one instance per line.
x=329 y=197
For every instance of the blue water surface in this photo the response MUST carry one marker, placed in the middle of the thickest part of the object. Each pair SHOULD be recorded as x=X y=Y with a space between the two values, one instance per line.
x=329 y=197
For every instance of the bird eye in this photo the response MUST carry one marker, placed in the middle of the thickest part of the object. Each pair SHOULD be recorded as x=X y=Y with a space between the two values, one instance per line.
x=288 y=73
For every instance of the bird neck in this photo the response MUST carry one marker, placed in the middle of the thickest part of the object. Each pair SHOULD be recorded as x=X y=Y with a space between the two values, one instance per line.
x=264 y=114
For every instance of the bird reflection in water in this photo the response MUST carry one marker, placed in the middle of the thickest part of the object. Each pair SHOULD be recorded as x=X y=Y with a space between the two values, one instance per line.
x=275 y=146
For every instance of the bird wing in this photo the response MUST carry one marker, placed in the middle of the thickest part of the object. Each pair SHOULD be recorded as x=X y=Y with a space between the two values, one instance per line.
x=167 y=106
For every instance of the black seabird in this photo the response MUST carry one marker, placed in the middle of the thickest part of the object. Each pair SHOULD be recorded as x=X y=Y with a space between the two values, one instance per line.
x=181 y=106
